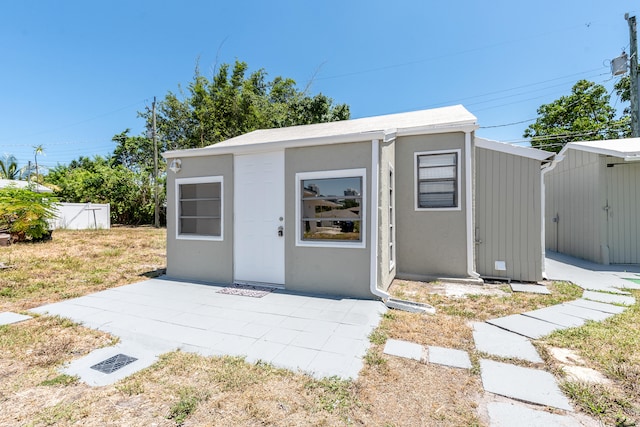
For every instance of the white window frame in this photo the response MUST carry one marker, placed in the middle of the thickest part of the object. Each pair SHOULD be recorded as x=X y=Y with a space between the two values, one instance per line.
x=416 y=189
x=341 y=173
x=199 y=180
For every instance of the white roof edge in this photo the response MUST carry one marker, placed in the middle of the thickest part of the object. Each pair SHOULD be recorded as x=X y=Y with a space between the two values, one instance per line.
x=622 y=148
x=273 y=146
x=324 y=140
x=516 y=150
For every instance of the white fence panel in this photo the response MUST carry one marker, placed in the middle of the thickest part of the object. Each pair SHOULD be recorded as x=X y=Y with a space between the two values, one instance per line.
x=82 y=216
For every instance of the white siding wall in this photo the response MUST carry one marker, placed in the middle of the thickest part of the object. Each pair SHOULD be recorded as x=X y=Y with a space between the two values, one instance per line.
x=82 y=216
x=623 y=222
x=508 y=215
x=574 y=193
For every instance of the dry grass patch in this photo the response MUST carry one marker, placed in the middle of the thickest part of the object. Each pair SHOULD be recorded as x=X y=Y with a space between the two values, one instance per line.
x=481 y=307
x=77 y=262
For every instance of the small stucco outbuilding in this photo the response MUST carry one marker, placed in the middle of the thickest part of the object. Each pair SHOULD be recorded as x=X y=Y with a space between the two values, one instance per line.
x=337 y=208
x=593 y=201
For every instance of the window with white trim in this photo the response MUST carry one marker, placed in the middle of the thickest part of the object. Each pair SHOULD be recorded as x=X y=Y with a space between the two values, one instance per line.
x=437 y=185
x=330 y=208
x=199 y=208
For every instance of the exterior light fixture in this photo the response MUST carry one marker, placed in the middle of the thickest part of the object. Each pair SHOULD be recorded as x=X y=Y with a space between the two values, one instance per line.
x=176 y=165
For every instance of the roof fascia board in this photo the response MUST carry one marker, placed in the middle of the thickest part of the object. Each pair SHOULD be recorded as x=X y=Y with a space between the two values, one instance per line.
x=595 y=150
x=531 y=153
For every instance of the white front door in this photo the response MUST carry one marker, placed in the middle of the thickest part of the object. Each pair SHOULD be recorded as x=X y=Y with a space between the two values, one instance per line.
x=258 y=242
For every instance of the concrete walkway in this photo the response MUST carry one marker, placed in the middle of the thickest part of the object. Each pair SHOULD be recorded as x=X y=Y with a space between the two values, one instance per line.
x=591 y=276
x=320 y=335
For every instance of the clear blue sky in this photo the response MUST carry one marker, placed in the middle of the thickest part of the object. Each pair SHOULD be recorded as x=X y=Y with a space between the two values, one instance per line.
x=75 y=73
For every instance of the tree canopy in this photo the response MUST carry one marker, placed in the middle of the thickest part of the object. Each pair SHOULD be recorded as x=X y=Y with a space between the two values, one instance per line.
x=235 y=102
x=104 y=180
x=232 y=103
x=583 y=115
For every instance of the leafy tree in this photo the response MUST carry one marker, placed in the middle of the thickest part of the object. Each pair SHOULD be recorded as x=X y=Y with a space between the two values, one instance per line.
x=583 y=115
x=623 y=90
x=133 y=152
x=9 y=168
x=102 y=180
x=234 y=103
x=25 y=214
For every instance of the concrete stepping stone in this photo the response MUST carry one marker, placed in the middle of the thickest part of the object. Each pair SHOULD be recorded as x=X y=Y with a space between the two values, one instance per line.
x=523 y=325
x=404 y=349
x=516 y=414
x=144 y=357
x=449 y=357
x=8 y=317
x=498 y=342
x=584 y=313
x=525 y=384
x=554 y=315
x=594 y=305
x=528 y=288
x=608 y=298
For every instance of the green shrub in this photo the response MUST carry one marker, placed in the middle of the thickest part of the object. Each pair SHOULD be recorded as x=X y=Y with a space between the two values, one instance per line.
x=25 y=213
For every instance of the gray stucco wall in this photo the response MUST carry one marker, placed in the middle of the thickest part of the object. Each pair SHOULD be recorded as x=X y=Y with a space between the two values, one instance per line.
x=574 y=190
x=508 y=215
x=204 y=260
x=335 y=270
x=386 y=234
x=429 y=243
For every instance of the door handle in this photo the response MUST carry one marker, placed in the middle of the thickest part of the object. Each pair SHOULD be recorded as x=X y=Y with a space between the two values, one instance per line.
x=280 y=231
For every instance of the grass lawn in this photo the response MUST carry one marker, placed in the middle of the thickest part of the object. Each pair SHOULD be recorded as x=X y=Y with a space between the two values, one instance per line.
x=186 y=389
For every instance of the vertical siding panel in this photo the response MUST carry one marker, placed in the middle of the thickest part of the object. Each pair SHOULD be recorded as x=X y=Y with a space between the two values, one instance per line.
x=507 y=206
x=488 y=217
x=494 y=249
x=634 y=212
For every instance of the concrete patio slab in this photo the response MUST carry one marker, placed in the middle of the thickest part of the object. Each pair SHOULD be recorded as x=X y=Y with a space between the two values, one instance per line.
x=554 y=315
x=608 y=298
x=525 y=384
x=498 y=342
x=594 y=305
x=587 y=275
x=404 y=349
x=528 y=288
x=523 y=325
x=8 y=318
x=449 y=357
x=516 y=414
x=320 y=335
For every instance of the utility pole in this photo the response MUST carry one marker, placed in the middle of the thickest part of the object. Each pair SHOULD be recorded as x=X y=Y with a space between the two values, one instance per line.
x=633 y=76
x=155 y=167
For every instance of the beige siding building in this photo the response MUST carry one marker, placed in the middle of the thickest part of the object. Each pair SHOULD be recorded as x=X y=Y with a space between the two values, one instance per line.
x=509 y=210
x=593 y=201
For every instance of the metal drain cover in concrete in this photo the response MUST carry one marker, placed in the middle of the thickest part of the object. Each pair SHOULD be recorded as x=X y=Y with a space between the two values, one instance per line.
x=113 y=363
